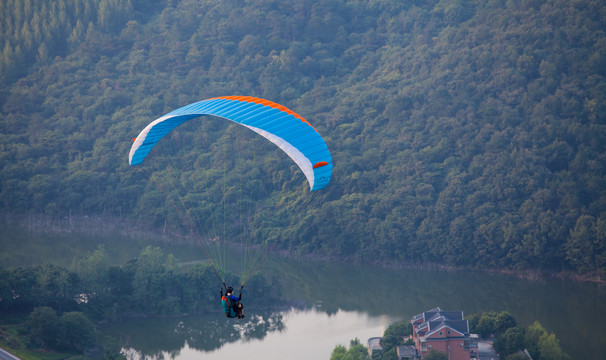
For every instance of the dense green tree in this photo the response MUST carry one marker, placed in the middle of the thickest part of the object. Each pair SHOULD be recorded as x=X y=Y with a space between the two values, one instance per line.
x=76 y=331
x=149 y=277
x=550 y=349
x=356 y=351
x=338 y=352
x=394 y=336
x=55 y=287
x=586 y=244
x=534 y=333
x=541 y=344
x=71 y=331
x=486 y=324
x=43 y=325
x=491 y=323
x=462 y=133
x=504 y=321
x=93 y=271
x=510 y=341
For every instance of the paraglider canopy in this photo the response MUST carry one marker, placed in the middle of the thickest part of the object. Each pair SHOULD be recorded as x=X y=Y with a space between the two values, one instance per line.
x=278 y=124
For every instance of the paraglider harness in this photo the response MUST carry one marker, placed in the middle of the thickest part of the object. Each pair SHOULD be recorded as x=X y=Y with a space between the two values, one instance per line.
x=231 y=305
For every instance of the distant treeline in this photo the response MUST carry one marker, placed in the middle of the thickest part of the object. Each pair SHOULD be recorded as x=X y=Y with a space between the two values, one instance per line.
x=464 y=133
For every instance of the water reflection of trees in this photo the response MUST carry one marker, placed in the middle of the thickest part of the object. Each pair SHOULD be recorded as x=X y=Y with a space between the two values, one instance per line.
x=165 y=338
x=227 y=330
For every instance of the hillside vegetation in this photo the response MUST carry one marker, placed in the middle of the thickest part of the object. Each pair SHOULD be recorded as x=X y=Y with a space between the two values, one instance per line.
x=464 y=133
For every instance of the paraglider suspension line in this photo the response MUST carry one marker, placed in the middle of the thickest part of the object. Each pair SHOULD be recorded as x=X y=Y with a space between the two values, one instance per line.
x=258 y=264
x=189 y=224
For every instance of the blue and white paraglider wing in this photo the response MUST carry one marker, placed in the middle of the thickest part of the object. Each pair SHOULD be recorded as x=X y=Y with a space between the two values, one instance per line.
x=278 y=124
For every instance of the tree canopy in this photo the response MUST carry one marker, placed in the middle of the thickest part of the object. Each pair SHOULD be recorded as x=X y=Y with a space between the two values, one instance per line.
x=466 y=133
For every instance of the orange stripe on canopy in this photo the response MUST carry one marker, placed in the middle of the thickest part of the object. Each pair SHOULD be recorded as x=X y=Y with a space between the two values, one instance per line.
x=320 y=164
x=266 y=103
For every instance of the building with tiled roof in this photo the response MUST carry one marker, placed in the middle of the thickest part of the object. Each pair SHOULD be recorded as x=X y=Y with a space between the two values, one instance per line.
x=445 y=331
x=407 y=352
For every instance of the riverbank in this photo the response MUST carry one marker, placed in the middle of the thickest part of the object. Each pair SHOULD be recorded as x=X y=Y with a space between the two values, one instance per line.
x=139 y=232
x=525 y=274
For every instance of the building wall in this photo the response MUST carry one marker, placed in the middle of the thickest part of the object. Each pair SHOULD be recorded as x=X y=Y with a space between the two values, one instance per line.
x=445 y=333
x=453 y=347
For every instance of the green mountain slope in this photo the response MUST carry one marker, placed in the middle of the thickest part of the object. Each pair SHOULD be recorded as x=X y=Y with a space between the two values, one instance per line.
x=465 y=133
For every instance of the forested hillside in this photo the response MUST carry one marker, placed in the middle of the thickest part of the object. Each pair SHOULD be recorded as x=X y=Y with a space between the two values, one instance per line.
x=464 y=133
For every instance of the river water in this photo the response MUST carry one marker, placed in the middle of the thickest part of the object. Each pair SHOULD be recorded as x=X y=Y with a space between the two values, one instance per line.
x=338 y=302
